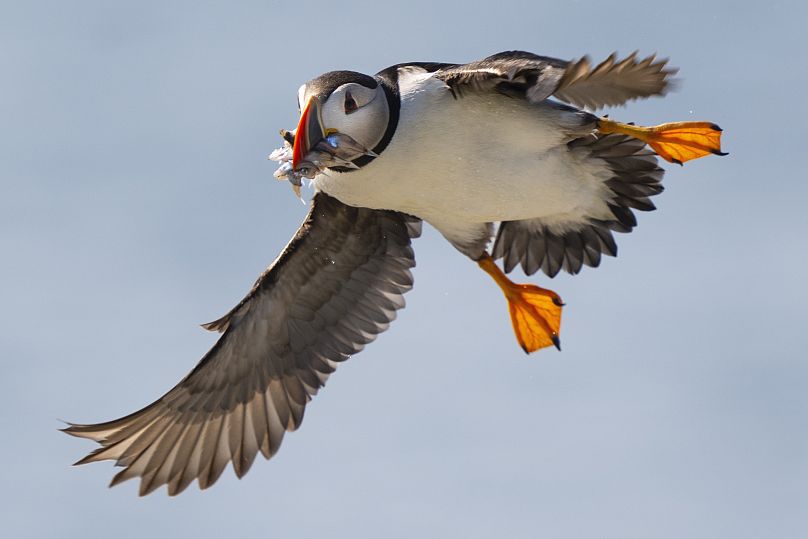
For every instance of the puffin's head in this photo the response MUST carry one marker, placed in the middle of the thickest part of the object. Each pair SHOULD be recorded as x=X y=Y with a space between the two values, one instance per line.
x=344 y=116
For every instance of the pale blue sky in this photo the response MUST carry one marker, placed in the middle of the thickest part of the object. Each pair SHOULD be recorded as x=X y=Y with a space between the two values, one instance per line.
x=137 y=202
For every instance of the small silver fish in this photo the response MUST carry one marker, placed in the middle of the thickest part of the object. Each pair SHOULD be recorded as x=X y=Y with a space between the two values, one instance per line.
x=335 y=150
x=294 y=175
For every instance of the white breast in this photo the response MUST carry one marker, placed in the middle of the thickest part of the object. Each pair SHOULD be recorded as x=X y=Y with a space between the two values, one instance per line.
x=476 y=159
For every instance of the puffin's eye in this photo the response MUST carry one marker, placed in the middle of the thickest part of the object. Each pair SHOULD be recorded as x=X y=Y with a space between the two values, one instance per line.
x=350 y=103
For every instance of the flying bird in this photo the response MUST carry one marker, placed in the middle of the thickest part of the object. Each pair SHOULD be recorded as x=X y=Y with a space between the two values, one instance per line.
x=503 y=149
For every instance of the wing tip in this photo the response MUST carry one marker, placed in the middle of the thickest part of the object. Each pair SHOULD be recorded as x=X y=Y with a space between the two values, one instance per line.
x=656 y=74
x=218 y=325
x=78 y=430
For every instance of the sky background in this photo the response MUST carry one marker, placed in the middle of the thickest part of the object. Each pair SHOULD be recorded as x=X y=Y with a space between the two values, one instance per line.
x=137 y=202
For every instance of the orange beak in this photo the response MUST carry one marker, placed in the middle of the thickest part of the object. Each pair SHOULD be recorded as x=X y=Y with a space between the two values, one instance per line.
x=309 y=131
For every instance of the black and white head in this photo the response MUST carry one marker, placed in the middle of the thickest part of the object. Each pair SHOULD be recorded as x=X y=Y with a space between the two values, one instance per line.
x=345 y=121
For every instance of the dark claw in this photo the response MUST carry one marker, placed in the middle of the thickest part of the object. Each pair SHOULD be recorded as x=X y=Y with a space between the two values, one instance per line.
x=677 y=162
x=556 y=342
x=558 y=302
x=718 y=152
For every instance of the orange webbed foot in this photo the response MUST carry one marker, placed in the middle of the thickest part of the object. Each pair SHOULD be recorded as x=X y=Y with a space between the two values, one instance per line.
x=535 y=312
x=536 y=317
x=676 y=142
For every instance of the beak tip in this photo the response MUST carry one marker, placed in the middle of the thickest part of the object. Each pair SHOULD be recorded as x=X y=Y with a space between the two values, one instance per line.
x=301 y=135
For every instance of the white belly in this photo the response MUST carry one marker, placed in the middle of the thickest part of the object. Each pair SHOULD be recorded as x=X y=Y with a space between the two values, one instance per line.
x=477 y=159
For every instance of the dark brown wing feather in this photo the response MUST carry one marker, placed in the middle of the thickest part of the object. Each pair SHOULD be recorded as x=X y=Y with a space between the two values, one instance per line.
x=335 y=287
x=614 y=82
x=536 y=78
x=518 y=73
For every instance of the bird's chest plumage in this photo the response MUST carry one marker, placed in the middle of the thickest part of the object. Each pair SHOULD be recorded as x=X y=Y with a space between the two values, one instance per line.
x=474 y=159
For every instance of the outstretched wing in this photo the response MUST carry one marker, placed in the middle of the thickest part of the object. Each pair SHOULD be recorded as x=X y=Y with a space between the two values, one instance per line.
x=335 y=287
x=536 y=78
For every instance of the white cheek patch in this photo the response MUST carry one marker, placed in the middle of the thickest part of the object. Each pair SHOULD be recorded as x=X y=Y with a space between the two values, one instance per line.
x=362 y=95
x=333 y=114
x=301 y=95
x=366 y=125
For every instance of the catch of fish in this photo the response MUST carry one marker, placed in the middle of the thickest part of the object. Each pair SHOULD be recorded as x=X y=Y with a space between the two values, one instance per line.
x=334 y=150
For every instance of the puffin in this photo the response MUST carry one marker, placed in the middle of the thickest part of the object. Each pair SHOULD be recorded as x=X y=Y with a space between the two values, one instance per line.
x=504 y=156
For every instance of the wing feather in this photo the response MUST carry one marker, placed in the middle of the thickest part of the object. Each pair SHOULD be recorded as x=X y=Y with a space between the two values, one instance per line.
x=535 y=78
x=335 y=287
x=613 y=82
